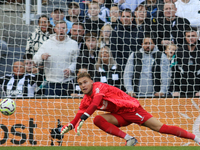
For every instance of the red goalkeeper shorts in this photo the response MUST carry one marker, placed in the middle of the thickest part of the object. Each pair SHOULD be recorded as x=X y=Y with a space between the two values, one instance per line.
x=139 y=117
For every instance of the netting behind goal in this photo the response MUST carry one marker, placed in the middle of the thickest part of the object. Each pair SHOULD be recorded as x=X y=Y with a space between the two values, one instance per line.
x=35 y=120
x=39 y=117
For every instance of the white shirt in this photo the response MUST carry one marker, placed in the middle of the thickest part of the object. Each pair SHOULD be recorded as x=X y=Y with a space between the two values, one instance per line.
x=190 y=11
x=63 y=55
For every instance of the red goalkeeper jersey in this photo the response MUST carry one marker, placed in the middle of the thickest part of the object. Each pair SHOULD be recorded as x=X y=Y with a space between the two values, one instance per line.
x=114 y=100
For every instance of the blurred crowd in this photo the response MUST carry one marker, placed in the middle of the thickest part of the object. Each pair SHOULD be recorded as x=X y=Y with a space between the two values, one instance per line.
x=146 y=48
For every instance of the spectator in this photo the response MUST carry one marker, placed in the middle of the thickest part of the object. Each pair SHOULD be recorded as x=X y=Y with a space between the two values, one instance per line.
x=58 y=15
x=94 y=23
x=40 y=35
x=77 y=91
x=162 y=5
x=77 y=32
x=59 y=54
x=154 y=9
x=88 y=56
x=115 y=17
x=126 y=39
x=31 y=68
x=171 y=29
x=189 y=9
x=104 y=38
x=146 y=71
x=29 y=64
x=130 y=4
x=170 y=51
x=187 y=79
x=107 y=70
x=140 y=16
x=74 y=13
x=18 y=84
x=104 y=13
x=83 y=4
x=144 y=24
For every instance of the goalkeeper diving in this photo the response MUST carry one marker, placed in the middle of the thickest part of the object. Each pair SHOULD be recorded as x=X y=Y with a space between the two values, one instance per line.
x=122 y=110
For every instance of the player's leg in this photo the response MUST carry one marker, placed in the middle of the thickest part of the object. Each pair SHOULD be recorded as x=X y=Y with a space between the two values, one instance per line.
x=153 y=124
x=142 y=117
x=110 y=123
x=156 y=125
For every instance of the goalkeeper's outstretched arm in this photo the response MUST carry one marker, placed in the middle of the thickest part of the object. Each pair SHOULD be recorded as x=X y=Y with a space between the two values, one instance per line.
x=78 y=121
x=71 y=125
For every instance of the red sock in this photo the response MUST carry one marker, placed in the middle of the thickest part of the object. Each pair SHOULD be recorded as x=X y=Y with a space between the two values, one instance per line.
x=176 y=131
x=104 y=125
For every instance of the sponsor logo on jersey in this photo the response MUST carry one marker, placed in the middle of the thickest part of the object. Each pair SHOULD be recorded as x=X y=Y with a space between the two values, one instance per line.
x=97 y=90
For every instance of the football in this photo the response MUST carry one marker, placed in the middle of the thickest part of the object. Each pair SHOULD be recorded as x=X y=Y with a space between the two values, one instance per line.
x=7 y=106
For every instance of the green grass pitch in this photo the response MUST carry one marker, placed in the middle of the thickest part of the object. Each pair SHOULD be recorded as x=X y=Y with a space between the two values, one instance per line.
x=105 y=148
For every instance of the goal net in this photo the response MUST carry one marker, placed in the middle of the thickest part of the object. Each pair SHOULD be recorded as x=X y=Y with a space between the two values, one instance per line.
x=130 y=46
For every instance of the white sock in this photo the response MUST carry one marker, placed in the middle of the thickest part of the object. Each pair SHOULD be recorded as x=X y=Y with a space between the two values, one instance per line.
x=127 y=137
x=197 y=139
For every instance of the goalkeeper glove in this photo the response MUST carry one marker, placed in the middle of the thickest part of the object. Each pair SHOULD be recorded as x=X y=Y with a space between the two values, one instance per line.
x=66 y=128
x=80 y=123
x=78 y=126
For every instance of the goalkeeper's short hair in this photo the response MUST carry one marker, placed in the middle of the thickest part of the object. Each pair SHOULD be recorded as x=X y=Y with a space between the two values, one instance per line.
x=84 y=74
